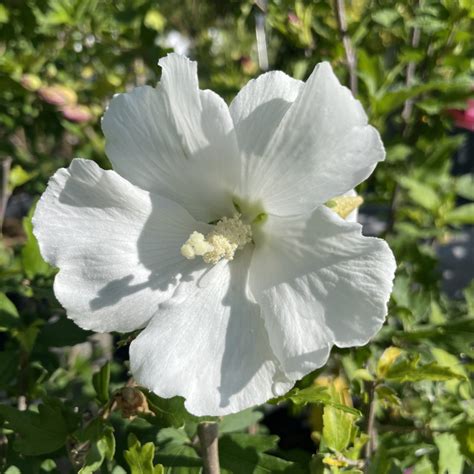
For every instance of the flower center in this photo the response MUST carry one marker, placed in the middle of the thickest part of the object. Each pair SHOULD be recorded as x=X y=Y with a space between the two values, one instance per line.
x=228 y=236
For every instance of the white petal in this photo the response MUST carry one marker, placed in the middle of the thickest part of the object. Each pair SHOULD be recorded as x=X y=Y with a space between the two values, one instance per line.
x=319 y=282
x=176 y=141
x=211 y=349
x=353 y=216
x=258 y=108
x=117 y=246
x=322 y=148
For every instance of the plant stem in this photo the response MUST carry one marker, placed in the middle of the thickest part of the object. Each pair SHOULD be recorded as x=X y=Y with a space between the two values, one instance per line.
x=351 y=59
x=371 y=428
x=4 y=191
x=208 y=438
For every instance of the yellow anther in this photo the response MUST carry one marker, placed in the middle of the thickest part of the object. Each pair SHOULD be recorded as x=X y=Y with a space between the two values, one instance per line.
x=228 y=236
x=344 y=205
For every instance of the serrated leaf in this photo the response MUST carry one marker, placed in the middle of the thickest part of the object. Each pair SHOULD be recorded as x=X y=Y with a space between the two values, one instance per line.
x=337 y=428
x=40 y=433
x=100 y=450
x=167 y=411
x=140 y=457
x=450 y=460
x=101 y=381
x=408 y=369
x=315 y=394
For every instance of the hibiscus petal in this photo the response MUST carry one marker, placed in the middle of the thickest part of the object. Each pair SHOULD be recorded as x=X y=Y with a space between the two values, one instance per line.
x=117 y=246
x=176 y=140
x=319 y=282
x=211 y=349
x=258 y=108
x=322 y=148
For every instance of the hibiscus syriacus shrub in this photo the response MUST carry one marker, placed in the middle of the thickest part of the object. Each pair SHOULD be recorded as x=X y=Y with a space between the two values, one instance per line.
x=192 y=284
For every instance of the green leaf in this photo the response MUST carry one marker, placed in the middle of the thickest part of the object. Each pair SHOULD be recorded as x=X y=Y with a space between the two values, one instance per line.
x=31 y=258
x=101 y=380
x=100 y=450
x=242 y=453
x=179 y=459
x=167 y=411
x=386 y=17
x=465 y=186
x=140 y=458
x=461 y=215
x=155 y=20
x=239 y=421
x=61 y=333
x=9 y=316
x=337 y=428
x=18 y=176
x=421 y=193
x=387 y=102
x=423 y=466
x=315 y=394
x=40 y=433
x=408 y=369
x=450 y=459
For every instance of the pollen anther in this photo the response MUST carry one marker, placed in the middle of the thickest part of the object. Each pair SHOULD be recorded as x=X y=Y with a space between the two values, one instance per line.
x=228 y=236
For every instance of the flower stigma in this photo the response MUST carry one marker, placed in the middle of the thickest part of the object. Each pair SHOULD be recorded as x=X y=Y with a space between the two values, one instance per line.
x=228 y=236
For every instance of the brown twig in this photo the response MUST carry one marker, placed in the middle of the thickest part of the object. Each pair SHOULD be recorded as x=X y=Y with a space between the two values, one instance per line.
x=411 y=69
x=351 y=59
x=4 y=191
x=406 y=115
x=371 y=428
x=208 y=438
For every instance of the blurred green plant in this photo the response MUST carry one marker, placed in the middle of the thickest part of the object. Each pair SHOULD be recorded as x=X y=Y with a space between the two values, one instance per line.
x=403 y=403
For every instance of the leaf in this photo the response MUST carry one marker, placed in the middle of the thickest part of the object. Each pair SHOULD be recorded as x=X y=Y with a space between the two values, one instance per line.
x=386 y=17
x=103 y=448
x=101 y=380
x=167 y=411
x=61 y=333
x=387 y=396
x=461 y=215
x=387 y=102
x=421 y=193
x=240 y=421
x=179 y=459
x=315 y=394
x=241 y=453
x=9 y=316
x=387 y=359
x=31 y=258
x=155 y=20
x=337 y=428
x=18 y=176
x=40 y=433
x=450 y=459
x=423 y=466
x=408 y=369
x=465 y=186
x=140 y=458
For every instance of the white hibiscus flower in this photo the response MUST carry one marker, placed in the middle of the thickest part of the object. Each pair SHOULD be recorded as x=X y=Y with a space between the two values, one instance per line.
x=212 y=234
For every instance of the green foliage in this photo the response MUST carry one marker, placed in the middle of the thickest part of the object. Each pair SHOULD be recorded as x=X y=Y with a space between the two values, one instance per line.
x=60 y=386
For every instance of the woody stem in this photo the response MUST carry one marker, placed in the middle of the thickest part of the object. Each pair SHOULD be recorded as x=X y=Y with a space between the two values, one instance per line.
x=208 y=438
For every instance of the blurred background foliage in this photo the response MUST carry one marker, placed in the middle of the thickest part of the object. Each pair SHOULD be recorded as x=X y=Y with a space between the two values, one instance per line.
x=402 y=404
